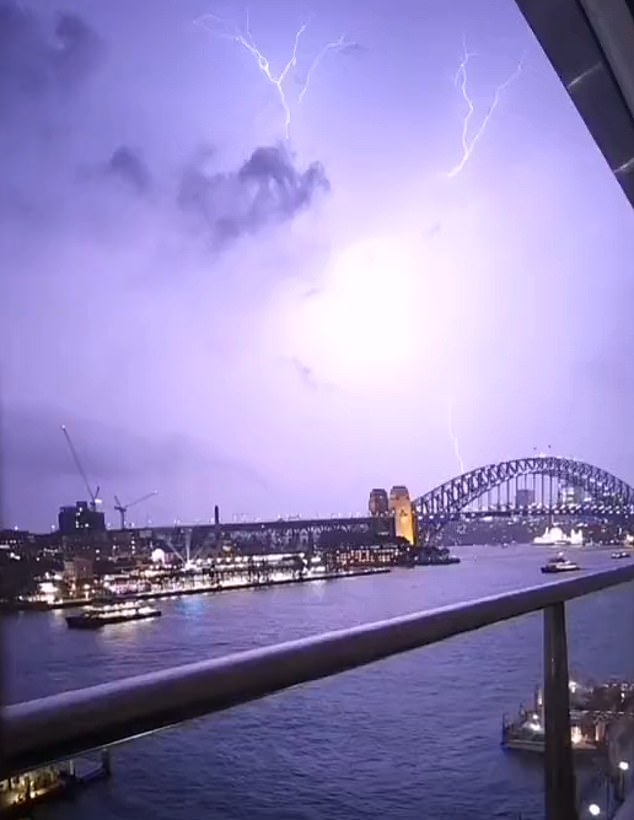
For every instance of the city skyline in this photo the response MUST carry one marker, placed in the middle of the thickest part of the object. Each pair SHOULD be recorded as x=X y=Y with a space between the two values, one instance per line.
x=332 y=310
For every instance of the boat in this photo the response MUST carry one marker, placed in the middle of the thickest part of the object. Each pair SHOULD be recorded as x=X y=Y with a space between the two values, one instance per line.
x=432 y=556
x=527 y=735
x=19 y=795
x=560 y=564
x=95 y=617
x=621 y=554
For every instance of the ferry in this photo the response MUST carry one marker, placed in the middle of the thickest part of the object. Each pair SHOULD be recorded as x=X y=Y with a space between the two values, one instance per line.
x=95 y=617
x=432 y=556
x=560 y=564
x=621 y=554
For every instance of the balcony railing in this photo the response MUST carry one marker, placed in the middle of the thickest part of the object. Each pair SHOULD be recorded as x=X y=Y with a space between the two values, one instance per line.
x=42 y=731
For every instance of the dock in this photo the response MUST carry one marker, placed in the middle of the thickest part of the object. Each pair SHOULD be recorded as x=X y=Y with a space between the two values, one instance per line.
x=19 y=795
x=599 y=716
x=223 y=585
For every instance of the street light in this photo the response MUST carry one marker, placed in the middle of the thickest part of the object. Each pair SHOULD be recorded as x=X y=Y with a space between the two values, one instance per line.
x=594 y=810
x=620 y=783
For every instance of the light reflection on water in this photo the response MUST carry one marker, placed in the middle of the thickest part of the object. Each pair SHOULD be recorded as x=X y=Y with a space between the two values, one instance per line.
x=410 y=737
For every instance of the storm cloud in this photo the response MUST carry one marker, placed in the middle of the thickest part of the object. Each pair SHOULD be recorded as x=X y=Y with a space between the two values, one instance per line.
x=36 y=63
x=267 y=189
x=42 y=70
x=125 y=248
x=214 y=310
x=128 y=166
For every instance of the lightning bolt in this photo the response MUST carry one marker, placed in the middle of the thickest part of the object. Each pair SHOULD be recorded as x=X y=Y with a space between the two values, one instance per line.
x=336 y=45
x=454 y=438
x=245 y=40
x=461 y=81
x=469 y=141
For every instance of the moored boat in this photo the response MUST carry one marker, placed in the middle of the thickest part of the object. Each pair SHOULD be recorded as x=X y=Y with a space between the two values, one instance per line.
x=434 y=556
x=527 y=735
x=527 y=732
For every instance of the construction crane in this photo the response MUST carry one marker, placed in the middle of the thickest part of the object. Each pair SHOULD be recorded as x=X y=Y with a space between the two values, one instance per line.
x=123 y=508
x=94 y=497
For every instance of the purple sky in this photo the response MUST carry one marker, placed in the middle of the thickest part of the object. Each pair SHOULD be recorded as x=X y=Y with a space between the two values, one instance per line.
x=280 y=330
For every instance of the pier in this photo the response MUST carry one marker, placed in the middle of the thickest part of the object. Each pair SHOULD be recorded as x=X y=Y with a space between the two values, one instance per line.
x=600 y=715
x=22 y=793
x=209 y=583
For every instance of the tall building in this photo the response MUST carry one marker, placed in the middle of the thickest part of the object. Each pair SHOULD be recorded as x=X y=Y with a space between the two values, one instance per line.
x=80 y=518
x=78 y=569
x=572 y=495
x=401 y=507
x=378 y=504
x=524 y=497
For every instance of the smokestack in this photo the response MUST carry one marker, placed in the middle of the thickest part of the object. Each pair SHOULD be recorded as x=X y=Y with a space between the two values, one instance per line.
x=216 y=515
x=2 y=465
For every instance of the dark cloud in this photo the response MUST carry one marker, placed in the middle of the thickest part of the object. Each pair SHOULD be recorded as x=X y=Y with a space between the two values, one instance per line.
x=80 y=49
x=128 y=166
x=34 y=445
x=40 y=68
x=36 y=62
x=267 y=189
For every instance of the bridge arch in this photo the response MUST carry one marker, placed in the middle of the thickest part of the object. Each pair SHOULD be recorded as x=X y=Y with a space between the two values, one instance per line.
x=450 y=498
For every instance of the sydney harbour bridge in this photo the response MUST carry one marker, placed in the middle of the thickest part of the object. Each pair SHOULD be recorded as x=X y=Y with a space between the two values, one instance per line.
x=550 y=487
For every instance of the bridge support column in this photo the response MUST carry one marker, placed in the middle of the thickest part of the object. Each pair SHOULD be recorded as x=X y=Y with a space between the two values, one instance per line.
x=188 y=545
x=559 y=774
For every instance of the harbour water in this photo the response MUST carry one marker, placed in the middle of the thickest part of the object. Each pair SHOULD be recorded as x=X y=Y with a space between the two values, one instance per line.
x=417 y=736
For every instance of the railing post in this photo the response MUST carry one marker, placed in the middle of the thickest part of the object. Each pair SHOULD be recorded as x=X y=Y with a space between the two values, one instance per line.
x=559 y=773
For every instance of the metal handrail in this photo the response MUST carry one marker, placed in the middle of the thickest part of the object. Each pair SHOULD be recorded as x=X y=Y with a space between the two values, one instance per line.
x=52 y=728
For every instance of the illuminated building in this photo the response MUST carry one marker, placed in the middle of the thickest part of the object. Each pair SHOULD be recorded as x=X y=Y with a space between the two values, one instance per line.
x=78 y=569
x=16 y=538
x=401 y=507
x=378 y=504
x=366 y=556
x=572 y=495
x=80 y=518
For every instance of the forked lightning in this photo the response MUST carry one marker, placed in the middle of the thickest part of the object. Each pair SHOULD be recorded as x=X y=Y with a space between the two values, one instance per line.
x=471 y=138
x=218 y=28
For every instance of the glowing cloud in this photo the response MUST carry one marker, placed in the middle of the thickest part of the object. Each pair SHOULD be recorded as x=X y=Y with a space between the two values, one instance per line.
x=365 y=322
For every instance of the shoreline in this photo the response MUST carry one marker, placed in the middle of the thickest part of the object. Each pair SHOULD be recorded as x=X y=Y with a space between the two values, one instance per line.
x=76 y=603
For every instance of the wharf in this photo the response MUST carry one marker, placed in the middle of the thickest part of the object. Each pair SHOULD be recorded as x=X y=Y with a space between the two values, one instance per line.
x=600 y=716
x=260 y=584
x=42 y=606
x=20 y=795
x=216 y=587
